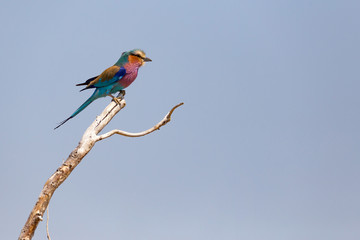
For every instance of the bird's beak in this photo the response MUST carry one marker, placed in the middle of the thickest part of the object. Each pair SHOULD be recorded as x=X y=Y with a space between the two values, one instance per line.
x=147 y=60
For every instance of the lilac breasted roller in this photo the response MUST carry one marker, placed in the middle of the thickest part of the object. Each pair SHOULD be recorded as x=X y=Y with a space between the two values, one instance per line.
x=113 y=79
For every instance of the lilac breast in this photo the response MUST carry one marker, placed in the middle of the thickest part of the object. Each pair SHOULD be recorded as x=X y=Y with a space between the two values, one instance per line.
x=130 y=76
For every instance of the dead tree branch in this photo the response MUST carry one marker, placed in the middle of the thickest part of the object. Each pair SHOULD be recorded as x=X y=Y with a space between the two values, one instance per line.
x=86 y=143
x=47 y=223
x=165 y=120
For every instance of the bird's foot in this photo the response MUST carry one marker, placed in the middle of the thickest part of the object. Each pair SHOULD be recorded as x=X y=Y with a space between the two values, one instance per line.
x=121 y=94
x=115 y=99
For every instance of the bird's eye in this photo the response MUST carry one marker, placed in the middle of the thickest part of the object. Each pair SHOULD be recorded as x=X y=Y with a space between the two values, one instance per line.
x=137 y=55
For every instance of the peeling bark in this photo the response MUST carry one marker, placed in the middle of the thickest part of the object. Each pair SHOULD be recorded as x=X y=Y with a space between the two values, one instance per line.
x=86 y=143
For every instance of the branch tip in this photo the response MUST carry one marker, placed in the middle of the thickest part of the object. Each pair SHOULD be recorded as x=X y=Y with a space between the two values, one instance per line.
x=172 y=110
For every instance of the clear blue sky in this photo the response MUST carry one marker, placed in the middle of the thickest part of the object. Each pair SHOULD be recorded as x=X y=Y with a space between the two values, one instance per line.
x=265 y=147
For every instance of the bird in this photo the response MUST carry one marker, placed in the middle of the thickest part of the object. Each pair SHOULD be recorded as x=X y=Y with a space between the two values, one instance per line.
x=113 y=79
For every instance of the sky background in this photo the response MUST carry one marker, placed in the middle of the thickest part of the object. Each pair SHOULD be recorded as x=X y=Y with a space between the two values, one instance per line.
x=266 y=145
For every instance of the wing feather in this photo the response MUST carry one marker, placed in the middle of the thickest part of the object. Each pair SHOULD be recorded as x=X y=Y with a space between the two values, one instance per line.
x=107 y=77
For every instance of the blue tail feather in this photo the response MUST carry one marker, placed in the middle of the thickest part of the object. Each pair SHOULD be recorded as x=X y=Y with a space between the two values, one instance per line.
x=82 y=107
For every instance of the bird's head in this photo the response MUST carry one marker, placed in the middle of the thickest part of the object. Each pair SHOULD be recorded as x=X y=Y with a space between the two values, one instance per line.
x=136 y=56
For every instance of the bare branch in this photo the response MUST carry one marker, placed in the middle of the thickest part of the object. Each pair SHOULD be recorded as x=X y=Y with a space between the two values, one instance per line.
x=86 y=143
x=47 y=223
x=163 y=122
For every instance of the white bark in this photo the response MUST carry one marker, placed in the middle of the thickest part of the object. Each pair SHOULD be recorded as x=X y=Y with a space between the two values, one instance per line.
x=86 y=143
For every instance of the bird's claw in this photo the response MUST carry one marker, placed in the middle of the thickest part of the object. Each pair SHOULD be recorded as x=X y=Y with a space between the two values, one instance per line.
x=115 y=99
x=122 y=92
